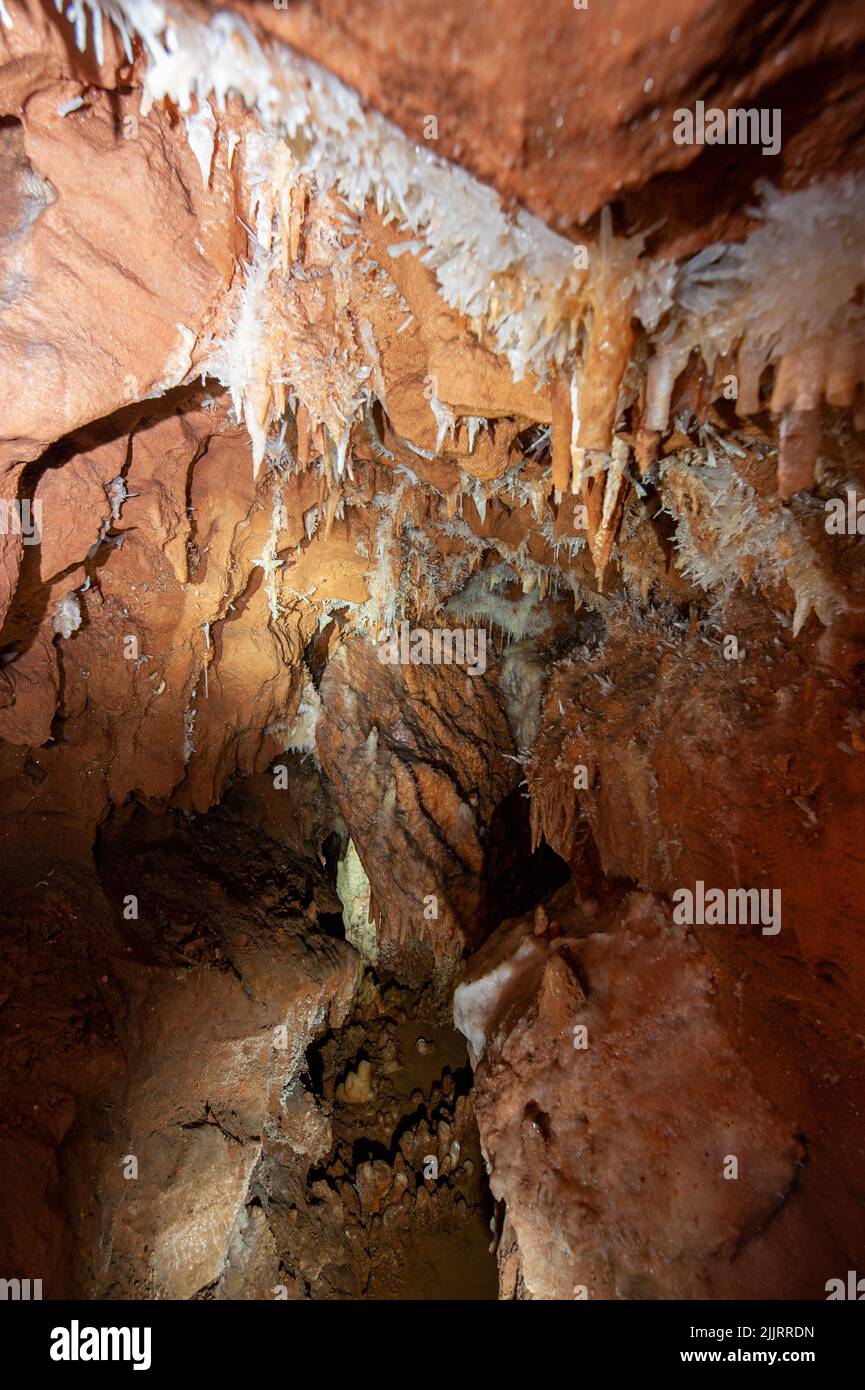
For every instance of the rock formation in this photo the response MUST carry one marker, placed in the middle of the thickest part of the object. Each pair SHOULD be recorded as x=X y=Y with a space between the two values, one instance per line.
x=432 y=492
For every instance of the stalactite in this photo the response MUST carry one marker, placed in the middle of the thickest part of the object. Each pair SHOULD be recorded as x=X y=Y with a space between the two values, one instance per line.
x=561 y=433
x=797 y=454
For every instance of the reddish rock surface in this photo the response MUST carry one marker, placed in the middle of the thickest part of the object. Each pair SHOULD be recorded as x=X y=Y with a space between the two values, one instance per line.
x=417 y=756
x=734 y=773
x=664 y=803
x=622 y=1076
x=107 y=299
x=570 y=108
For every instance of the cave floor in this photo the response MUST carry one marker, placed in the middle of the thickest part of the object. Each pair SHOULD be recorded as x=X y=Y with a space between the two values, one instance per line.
x=405 y=1177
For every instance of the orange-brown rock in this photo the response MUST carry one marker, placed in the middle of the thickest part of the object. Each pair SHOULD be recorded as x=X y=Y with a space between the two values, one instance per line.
x=733 y=772
x=573 y=109
x=638 y=1126
x=417 y=758
x=107 y=299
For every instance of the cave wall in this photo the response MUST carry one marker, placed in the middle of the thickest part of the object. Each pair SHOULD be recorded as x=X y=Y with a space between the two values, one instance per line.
x=718 y=1040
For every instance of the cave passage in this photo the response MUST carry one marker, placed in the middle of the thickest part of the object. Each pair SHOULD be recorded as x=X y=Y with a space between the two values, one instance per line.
x=404 y=1210
x=396 y=1203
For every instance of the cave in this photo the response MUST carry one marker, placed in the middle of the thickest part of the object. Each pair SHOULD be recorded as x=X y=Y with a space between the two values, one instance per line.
x=432 y=734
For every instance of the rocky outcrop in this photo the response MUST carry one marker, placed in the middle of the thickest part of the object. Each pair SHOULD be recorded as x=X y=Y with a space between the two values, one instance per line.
x=209 y=1054
x=147 y=1076
x=634 y=1118
x=668 y=761
x=574 y=112
x=417 y=756
x=685 y=764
